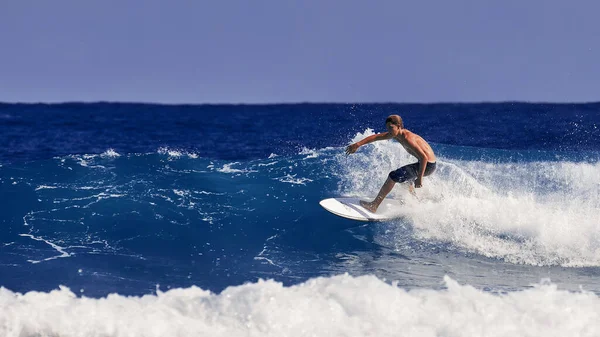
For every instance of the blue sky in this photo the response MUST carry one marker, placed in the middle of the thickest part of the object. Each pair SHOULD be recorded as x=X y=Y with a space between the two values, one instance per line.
x=299 y=51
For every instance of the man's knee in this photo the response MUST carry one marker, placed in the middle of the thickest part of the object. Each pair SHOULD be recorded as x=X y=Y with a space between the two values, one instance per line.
x=398 y=176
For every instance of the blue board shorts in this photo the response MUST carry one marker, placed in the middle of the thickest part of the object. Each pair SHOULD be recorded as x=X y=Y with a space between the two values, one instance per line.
x=410 y=172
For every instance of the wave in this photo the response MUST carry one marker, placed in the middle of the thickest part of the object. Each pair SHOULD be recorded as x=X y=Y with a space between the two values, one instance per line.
x=326 y=306
x=523 y=211
x=260 y=218
x=527 y=212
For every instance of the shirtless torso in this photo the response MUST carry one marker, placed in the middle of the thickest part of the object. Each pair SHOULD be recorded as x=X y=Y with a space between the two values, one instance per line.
x=415 y=144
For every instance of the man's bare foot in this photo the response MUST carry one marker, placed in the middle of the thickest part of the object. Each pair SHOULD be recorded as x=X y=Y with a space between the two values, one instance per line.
x=411 y=189
x=369 y=205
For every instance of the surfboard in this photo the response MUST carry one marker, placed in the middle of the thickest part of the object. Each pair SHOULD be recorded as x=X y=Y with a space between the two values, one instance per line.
x=350 y=208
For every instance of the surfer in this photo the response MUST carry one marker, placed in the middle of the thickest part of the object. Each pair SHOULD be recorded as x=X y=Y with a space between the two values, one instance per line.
x=414 y=145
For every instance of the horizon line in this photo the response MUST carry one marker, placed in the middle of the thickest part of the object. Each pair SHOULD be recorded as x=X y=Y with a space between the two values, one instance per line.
x=291 y=103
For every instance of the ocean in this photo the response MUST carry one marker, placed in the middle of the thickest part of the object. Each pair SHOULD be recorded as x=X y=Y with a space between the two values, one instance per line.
x=125 y=219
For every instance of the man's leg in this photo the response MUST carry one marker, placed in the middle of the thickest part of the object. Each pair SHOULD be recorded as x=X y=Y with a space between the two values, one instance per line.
x=383 y=192
x=411 y=189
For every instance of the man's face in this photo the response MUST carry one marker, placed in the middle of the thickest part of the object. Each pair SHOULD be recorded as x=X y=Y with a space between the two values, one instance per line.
x=393 y=129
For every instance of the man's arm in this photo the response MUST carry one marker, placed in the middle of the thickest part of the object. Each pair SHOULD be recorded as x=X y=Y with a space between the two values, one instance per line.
x=372 y=138
x=419 y=152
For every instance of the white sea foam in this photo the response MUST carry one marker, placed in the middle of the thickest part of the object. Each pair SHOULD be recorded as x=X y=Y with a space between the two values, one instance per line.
x=208 y=193
x=268 y=164
x=228 y=168
x=170 y=152
x=181 y=193
x=540 y=213
x=310 y=153
x=110 y=153
x=45 y=187
x=58 y=248
x=334 y=306
x=292 y=179
x=176 y=154
x=88 y=160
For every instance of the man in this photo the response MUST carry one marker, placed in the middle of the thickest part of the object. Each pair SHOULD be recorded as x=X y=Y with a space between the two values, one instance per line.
x=414 y=145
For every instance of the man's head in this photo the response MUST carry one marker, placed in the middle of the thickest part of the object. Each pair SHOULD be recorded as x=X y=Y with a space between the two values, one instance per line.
x=394 y=124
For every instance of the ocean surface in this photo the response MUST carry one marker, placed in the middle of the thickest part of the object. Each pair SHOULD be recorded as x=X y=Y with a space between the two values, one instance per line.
x=204 y=220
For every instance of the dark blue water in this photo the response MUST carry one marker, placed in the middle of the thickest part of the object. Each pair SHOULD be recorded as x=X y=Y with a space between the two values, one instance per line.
x=121 y=197
x=41 y=131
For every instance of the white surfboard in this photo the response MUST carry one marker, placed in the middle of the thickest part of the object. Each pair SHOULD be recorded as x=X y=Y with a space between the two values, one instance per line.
x=350 y=208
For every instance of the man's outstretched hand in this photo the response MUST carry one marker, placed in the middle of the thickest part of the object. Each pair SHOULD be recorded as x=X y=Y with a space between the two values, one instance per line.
x=351 y=148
